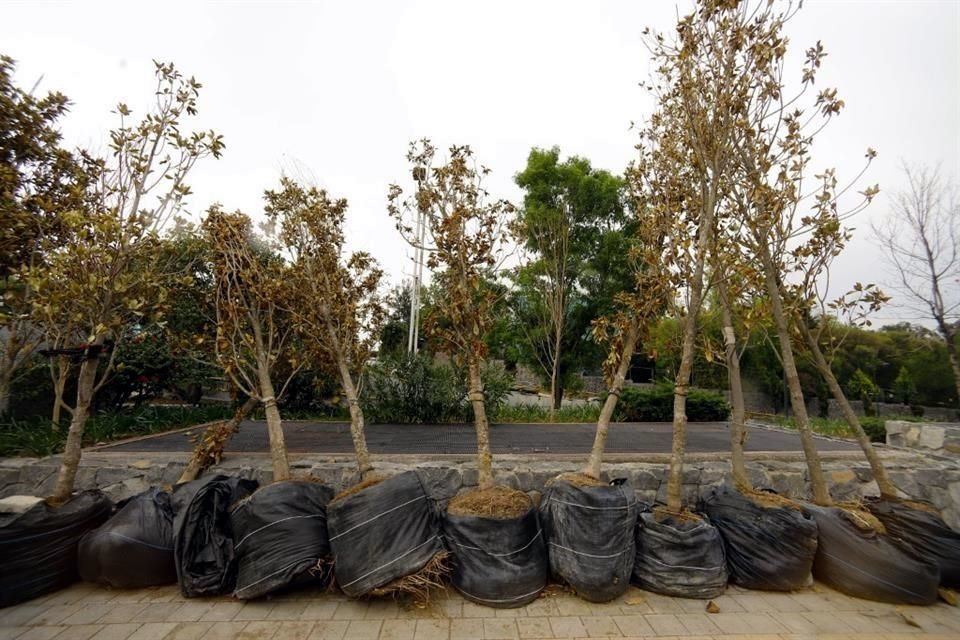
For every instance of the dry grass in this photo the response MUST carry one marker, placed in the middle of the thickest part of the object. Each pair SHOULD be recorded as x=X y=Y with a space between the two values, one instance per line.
x=581 y=480
x=498 y=502
x=663 y=513
x=922 y=506
x=769 y=500
x=357 y=488
x=861 y=518
x=419 y=585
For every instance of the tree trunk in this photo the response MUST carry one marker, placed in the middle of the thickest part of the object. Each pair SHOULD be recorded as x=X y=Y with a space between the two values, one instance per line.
x=738 y=431
x=5 y=380
x=821 y=495
x=556 y=399
x=356 y=420
x=59 y=384
x=610 y=404
x=484 y=457
x=278 y=449
x=678 y=448
x=556 y=391
x=879 y=471
x=210 y=448
x=70 y=461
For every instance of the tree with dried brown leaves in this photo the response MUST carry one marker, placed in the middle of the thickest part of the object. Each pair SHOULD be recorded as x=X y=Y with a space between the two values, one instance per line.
x=335 y=299
x=466 y=232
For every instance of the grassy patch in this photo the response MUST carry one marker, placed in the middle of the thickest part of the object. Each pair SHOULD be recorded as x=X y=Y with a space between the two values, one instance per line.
x=838 y=428
x=537 y=413
x=36 y=437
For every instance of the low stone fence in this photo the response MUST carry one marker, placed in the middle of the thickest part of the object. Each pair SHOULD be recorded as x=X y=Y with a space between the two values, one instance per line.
x=942 y=438
x=919 y=477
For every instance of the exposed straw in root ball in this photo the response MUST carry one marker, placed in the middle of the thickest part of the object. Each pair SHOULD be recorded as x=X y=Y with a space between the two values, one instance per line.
x=769 y=500
x=922 y=506
x=861 y=518
x=357 y=488
x=498 y=502
x=419 y=585
x=581 y=480
x=663 y=513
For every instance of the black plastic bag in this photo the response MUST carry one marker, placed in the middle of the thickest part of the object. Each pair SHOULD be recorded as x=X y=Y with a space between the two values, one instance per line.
x=280 y=538
x=203 y=537
x=497 y=562
x=924 y=533
x=770 y=548
x=864 y=564
x=134 y=548
x=590 y=537
x=679 y=557
x=38 y=548
x=387 y=531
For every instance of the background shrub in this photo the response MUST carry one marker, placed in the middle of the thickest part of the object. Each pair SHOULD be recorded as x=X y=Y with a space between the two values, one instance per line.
x=656 y=405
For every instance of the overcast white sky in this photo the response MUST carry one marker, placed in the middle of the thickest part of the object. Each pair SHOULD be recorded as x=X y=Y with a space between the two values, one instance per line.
x=340 y=88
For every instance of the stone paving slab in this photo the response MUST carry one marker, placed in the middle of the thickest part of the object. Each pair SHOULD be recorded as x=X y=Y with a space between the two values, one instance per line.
x=87 y=612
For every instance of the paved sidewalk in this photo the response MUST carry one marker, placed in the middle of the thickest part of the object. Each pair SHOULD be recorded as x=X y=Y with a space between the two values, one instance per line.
x=85 y=612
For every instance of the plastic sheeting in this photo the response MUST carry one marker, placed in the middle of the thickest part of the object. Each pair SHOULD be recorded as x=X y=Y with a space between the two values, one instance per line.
x=38 y=548
x=498 y=562
x=280 y=538
x=590 y=536
x=769 y=548
x=134 y=548
x=865 y=564
x=926 y=534
x=203 y=535
x=384 y=532
x=679 y=558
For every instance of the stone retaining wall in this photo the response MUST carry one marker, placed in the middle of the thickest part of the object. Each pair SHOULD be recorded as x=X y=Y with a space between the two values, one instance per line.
x=941 y=438
x=933 y=479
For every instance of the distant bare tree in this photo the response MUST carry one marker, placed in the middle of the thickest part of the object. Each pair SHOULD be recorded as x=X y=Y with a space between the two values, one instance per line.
x=920 y=241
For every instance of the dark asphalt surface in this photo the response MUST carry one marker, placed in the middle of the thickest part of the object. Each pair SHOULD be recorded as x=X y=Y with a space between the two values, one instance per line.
x=645 y=437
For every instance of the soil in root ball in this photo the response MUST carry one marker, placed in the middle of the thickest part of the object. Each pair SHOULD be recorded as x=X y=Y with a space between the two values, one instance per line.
x=499 y=502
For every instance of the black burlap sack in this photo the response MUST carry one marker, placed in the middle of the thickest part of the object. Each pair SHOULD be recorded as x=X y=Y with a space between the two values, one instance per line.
x=38 y=548
x=387 y=531
x=768 y=548
x=590 y=538
x=865 y=564
x=134 y=548
x=203 y=536
x=679 y=557
x=497 y=562
x=924 y=533
x=280 y=538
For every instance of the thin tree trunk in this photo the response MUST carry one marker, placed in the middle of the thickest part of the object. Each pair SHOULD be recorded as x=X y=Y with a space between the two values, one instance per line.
x=821 y=495
x=557 y=400
x=678 y=448
x=738 y=431
x=610 y=404
x=210 y=448
x=70 y=461
x=484 y=457
x=556 y=391
x=59 y=384
x=356 y=420
x=5 y=381
x=887 y=489
x=278 y=449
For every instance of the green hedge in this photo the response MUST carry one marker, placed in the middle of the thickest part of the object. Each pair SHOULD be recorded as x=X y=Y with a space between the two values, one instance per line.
x=656 y=405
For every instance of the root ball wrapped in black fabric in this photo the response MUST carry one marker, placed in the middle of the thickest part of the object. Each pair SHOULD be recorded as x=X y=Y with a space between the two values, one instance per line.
x=590 y=537
x=769 y=548
x=387 y=531
x=280 y=538
x=134 y=548
x=868 y=565
x=203 y=536
x=679 y=557
x=926 y=533
x=38 y=548
x=497 y=562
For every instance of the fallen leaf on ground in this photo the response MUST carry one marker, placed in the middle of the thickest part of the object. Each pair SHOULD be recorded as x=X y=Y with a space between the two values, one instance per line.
x=948 y=595
x=712 y=607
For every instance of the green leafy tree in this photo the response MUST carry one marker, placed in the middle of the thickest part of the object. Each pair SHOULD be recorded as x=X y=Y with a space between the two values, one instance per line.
x=904 y=387
x=570 y=225
x=862 y=387
x=93 y=285
x=39 y=182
